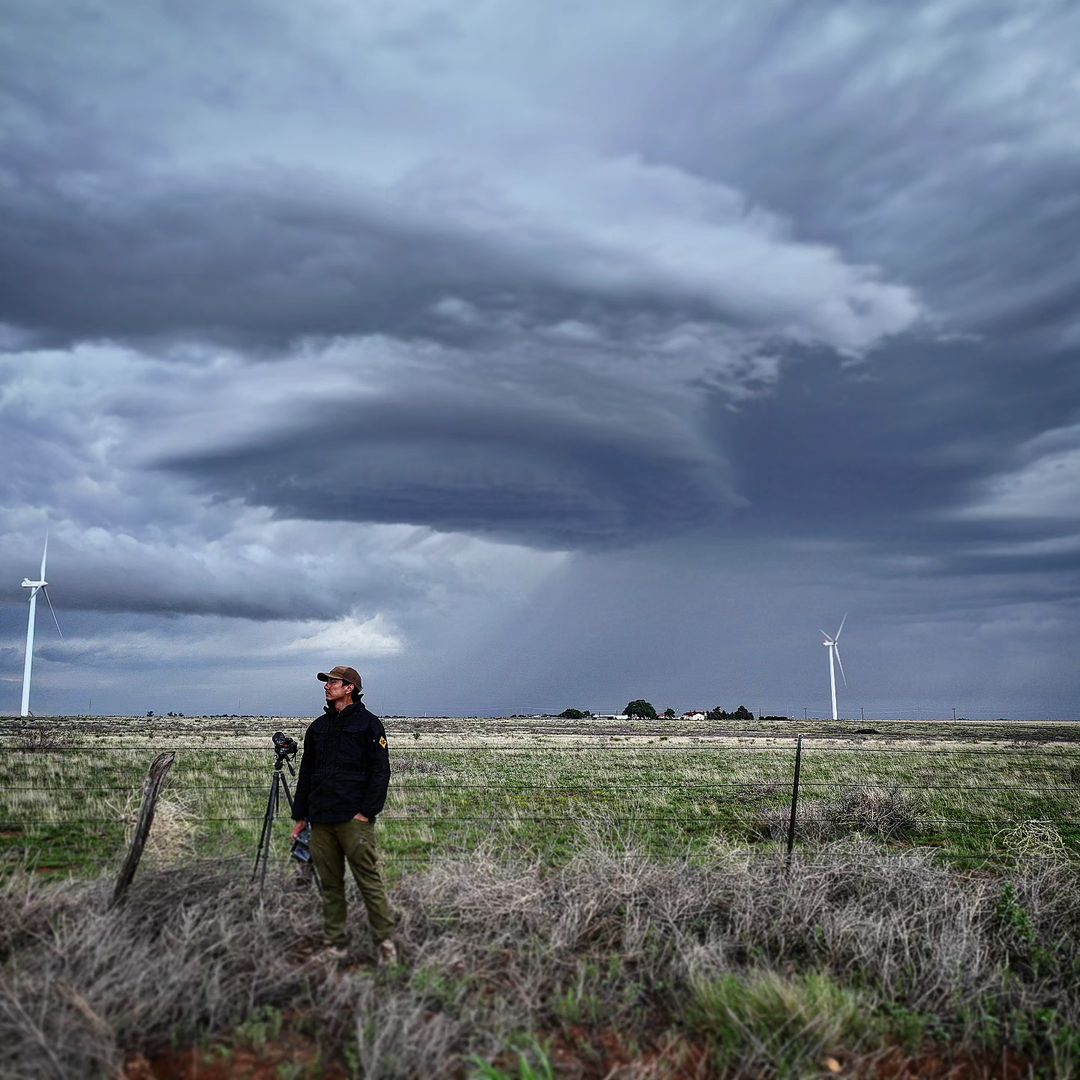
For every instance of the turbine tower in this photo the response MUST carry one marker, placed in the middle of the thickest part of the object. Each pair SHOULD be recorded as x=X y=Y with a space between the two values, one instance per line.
x=35 y=587
x=834 y=659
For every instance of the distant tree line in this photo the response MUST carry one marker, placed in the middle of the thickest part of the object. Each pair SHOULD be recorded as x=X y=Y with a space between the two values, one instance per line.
x=741 y=713
x=645 y=710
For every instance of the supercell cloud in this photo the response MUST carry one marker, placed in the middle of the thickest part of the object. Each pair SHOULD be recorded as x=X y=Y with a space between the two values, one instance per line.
x=526 y=360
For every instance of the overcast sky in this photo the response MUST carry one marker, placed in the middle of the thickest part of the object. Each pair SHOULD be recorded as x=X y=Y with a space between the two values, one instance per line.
x=526 y=356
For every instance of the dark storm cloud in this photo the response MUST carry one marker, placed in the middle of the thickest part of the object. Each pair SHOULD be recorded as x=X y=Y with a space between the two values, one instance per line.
x=248 y=265
x=778 y=299
x=908 y=439
x=936 y=139
x=177 y=572
x=173 y=584
x=268 y=263
x=897 y=460
x=510 y=471
x=111 y=244
x=153 y=225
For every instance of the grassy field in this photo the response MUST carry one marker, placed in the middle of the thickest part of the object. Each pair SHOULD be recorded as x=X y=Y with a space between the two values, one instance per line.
x=976 y=795
x=610 y=900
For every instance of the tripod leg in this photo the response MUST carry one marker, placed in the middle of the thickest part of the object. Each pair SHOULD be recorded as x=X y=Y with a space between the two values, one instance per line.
x=268 y=818
x=271 y=808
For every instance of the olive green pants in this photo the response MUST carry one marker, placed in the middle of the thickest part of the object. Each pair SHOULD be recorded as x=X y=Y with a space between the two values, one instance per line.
x=353 y=842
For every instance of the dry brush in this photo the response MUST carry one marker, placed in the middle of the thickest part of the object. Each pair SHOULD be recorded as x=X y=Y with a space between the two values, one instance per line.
x=734 y=967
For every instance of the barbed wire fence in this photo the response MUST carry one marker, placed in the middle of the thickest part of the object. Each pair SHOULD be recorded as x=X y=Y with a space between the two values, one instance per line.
x=68 y=808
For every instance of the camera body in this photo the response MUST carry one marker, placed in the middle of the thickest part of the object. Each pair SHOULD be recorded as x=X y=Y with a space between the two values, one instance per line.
x=301 y=846
x=285 y=746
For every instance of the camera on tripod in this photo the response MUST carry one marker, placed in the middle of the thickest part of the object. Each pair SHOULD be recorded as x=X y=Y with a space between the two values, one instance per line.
x=284 y=746
x=285 y=750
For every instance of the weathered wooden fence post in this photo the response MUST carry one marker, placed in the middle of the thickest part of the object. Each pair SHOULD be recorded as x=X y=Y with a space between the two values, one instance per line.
x=794 y=802
x=151 y=787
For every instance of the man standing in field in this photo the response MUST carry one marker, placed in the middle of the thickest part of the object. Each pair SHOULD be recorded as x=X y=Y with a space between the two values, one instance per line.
x=344 y=774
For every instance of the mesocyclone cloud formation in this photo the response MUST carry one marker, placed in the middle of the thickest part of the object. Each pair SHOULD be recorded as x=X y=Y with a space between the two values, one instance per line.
x=527 y=359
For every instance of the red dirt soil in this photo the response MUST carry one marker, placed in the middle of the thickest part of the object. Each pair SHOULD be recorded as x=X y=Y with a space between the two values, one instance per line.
x=241 y=1063
x=578 y=1054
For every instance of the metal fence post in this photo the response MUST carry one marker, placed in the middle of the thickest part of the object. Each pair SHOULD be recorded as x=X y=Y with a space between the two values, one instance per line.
x=794 y=802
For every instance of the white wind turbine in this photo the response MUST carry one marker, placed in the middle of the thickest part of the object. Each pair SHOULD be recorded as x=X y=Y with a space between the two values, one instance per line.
x=834 y=659
x=35 y=587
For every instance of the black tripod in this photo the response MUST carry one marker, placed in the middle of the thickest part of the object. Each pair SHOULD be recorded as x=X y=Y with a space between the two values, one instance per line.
x=285 y=753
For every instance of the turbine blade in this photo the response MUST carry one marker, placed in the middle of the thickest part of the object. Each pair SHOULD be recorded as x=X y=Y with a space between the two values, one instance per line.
x=53 y=610
x=841 y=663
x=44 y=553
x=842 y=621
x=825 y=636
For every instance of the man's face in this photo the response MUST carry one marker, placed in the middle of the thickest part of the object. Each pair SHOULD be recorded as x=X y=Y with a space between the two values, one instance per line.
x=338 y=693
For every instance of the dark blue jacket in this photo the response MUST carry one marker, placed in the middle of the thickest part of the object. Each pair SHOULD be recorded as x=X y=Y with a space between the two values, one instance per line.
x=345 y=769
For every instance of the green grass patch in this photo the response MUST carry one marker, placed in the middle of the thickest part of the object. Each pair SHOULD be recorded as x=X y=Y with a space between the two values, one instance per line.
x=782 y=1025
x=979 y=798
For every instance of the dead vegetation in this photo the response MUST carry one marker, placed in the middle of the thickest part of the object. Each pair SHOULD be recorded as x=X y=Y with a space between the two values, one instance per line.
x=883 y=812
x=612 y=965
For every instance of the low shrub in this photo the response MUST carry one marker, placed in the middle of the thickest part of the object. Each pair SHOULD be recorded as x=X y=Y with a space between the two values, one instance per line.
x=887 y=813
x=608 y=959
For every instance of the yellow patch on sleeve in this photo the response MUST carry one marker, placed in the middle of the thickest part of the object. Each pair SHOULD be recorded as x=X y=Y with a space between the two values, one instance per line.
x=382 y=741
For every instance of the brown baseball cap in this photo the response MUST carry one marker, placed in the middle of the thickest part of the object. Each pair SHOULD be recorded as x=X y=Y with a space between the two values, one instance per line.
x=345 y=674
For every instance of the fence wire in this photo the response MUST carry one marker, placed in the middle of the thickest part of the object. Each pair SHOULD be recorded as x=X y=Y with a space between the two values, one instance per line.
x=69 y=807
